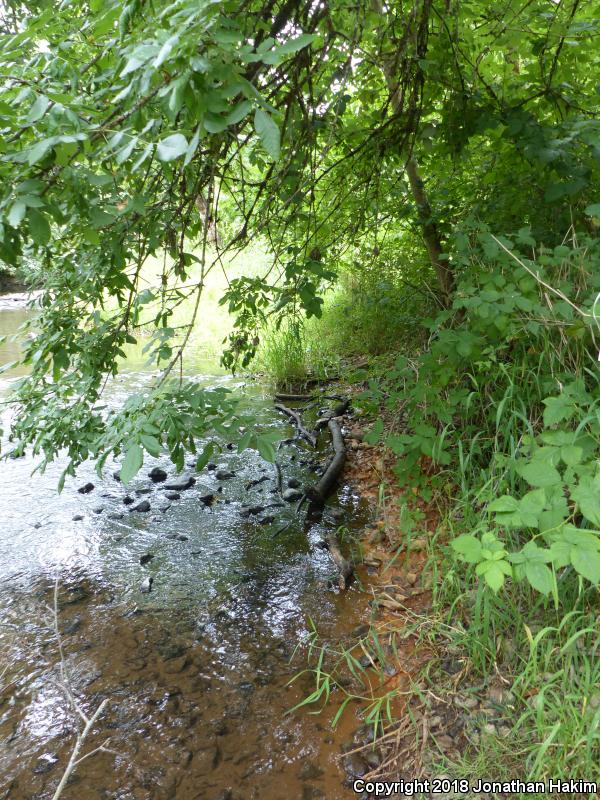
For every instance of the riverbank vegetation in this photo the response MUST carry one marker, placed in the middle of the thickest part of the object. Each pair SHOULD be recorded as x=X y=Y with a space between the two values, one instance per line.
x=422 y=178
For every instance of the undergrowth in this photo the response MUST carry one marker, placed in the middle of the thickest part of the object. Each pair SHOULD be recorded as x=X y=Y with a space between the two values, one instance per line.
x=502 y=406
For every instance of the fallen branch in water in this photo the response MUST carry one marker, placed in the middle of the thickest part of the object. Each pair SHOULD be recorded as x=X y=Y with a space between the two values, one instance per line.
x=88 y=722
x=320 y=492
x=306 y=434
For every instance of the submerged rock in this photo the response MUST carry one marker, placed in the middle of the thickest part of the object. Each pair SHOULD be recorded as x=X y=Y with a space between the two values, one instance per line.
x=116 y=515
x=294 y=483
x=290 y=495
x=86 y=488
x=181 y=485
x=224 y=474
x=146 y=585
x=172 y=495
x=117 y=474
x=145 y=490
x=157 y=474
x=207 y=499
x=142 y=507
x=77 y=517
x=146 y=558
x=128 y=500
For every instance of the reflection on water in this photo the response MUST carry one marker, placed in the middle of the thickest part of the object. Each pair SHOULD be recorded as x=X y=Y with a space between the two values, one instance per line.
x=195 y=670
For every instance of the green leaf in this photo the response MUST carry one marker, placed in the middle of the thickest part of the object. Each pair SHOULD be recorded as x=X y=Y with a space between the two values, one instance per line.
x=587 y=496
x=539 y=576
x=504 y=505
x=265 y=448
x=39 y=227
x=38 y=109
x=172 y=147
x=152 y=444
x=586 y=563
x=16 y=214
x=540 y=473
x=204 y=456
x=558 y=409
x=593 y=210
x=166 y=50
x=238 y=112
x=468 y=548
x=268 y=132
x=132 y=463
x=494 y=573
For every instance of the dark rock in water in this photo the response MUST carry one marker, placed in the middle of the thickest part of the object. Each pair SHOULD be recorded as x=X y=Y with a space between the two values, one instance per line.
x=116 y=515
x=146 y=585
x=172 y=495
x=86 y=488
x=117 y=474
x=256 y=509
x=157 y=475
x=219 y=489
x=164 y=507
x=207 y=499
x=210 y=466
x=244 y=512
x=98 y=509
x=294 y=483
x=256 y=481
x=146 y=558
x=37 y=525
x=322 y=544
x=355 y=766
x=230 y=445
x=145 y=490
x=181 y=485
x=290 y=495
x=224 y=474
x=267 y=520
x=182 y=538
x=309 y=771
x=77 y=517
x=128 y=500
x=45 y=763
x=142 y=507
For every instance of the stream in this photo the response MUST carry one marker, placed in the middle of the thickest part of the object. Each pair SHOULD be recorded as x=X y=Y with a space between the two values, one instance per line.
x=195 y=671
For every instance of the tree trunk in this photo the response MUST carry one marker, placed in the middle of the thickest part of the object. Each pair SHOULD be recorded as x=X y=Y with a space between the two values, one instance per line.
x=431 y=234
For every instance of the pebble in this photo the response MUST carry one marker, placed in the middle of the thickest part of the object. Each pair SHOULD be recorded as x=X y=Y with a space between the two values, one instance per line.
x=77 y=517
x=142 y=507
x=157 y=475
x=86 y=488
x=128 y=500
x=172 y=495
x=224 y=474
x=181 y=485
x=98 y=509
x=143 y=491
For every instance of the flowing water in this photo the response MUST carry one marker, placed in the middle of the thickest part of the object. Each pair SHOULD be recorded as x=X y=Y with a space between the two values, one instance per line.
x=195 y=671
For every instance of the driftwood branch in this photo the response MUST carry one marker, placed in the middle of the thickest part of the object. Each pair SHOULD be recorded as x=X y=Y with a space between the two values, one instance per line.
x=318 y=493
x=306 y=434
x=88 y=722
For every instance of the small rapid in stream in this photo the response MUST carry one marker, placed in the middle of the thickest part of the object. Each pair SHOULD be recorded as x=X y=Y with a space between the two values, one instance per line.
x=196 y=670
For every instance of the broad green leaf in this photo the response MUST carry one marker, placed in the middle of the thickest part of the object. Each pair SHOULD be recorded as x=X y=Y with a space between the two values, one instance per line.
x=587 y=496
x=39 y=227
x=132 y=463
x=468 y=548
x=504 y=505
x=38 y=109
x=39 y=150
x=539 y=576
x=268 y=132
x=172 y=147
x=16 y=214
x=265 y=448
x=586 y=563
x=558 y=409
x=166 y=50
x=540 y=473
x=151 y=444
